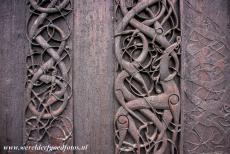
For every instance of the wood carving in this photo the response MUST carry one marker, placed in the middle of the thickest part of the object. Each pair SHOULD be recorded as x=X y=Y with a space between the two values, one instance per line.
x=48 y=88
x=147 y=48
x=206 y=50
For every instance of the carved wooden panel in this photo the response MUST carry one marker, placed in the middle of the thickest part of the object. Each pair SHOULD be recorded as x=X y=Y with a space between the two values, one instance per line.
x=206 y=76
x=171 y=86
x=147 y=49
x=48 y=115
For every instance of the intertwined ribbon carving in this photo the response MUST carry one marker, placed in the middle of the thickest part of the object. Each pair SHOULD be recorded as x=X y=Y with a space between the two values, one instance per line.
x=147 y=48
x=48 y=88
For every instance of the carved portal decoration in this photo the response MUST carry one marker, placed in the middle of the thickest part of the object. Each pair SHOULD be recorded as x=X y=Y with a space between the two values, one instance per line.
x=147 y=48
x=48 y=88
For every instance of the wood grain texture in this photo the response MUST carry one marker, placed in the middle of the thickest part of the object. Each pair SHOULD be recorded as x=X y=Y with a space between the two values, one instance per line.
x=205 y=32
x=93 y=74
x=12 y=72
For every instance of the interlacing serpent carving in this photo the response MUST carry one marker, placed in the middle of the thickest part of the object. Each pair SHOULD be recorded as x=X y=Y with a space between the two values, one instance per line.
x=48 y=88
x=147 y=48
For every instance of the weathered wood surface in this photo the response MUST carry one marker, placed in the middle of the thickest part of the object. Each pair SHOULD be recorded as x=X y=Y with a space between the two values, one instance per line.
x=93 y=74
x=12 y=74
x=205 y=67
x=205 y=32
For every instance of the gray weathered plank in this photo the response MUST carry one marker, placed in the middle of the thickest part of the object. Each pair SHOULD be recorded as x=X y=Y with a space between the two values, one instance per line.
x=12 y=72
x=93 y=74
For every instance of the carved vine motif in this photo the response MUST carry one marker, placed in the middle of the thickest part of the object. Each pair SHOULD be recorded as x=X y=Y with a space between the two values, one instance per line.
x=147 y=48
x=48 y=88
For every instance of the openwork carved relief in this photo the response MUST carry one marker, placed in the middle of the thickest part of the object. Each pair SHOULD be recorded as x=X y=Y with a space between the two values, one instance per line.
x=147 y=48
x=48 y=87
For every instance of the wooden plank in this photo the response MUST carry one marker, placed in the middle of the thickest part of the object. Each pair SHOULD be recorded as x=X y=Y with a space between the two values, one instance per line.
x=93 y=74
x=12 y=72
x=205 y=30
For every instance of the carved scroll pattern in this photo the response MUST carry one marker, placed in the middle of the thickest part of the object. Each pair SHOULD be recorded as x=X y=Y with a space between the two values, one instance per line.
x=48 y=88
x=147 y=48
x=206 y=105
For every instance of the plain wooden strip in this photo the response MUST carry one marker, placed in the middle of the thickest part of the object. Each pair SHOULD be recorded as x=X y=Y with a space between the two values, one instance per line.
x=93 y=74
x=12 y=72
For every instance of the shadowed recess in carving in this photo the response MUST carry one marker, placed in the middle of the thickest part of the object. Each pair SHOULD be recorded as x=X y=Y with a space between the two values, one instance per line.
x=147 y=48
x=48 y=88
